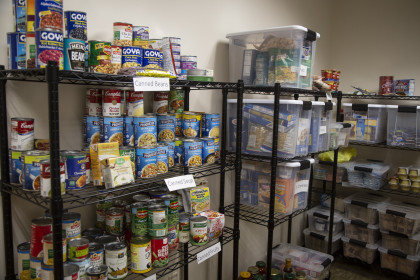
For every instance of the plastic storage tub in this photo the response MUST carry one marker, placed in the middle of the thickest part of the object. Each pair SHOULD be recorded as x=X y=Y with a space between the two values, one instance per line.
x=400 y=217
x=319 y=140
x=367 y=174
x=402 y=125
x=319 y=241
x=399 y=242
x=361 y=231
x=319 y=220
x=359 y=250
x=369 y=122
x=399 y=262
x=339 y=134
x=315 y=264
x=323 y=170
x=364 y=207
x=283 y=55
x=304 y=129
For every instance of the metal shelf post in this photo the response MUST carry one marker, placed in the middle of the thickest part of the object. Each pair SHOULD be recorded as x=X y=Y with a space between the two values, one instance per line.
x=186 y=171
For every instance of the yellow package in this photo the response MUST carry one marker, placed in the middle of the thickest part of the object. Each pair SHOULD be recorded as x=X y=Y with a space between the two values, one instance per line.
x=117 y=171
x=30 y=15
x=200 y=199
x=99 y=152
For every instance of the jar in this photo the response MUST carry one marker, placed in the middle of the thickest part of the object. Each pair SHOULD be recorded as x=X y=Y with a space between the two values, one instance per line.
x=261 y=267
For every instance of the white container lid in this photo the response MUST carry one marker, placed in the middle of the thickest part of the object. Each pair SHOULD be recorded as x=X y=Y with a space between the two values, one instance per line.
x=360 y=243
x=367 y=200
x=361 y=224
x=369 y=105
x=396 y=107
x=322 y=236
x=282 y=31
x=399 y=254
x=401 y=209
x=376 y=168
x=321 y=103
x=268 y=101
x=415 y=237
x=296 y=162
x=324 y=213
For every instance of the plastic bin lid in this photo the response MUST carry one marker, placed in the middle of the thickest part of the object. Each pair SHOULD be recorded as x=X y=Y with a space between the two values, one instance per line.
x=367 y=200
x=401 y=209
x=321 y=103
x=396 y=106
x=415 y=237
x=324 y=213
x=399 y=254
x=369 y=105
x=279 y=31
x=268 y=101
x=322 y=236
x=361 y=224
x=360 y=243
x=297 y=163
x=374 y=167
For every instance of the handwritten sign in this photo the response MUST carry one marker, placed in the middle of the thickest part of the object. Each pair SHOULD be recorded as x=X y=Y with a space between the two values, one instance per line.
x=180 y=182
x=151 y=84
x=208 y=253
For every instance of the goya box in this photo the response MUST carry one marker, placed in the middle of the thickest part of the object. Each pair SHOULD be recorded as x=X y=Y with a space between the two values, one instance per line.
x=19 y=14
x=49 y=14
x=75 y=25
x=117 y=172
x=152 y=59
x=99 y=152
x=16 y=50
x=49 y=46
x=132 y=57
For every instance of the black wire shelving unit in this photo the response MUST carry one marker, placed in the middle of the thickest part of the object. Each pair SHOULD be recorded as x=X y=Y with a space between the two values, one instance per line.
x=58 y=203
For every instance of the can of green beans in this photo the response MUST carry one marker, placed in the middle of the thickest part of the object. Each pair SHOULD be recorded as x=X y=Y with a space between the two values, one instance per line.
x=158 y=220
x=139 y=215
x=114 y=220
x=171 y=201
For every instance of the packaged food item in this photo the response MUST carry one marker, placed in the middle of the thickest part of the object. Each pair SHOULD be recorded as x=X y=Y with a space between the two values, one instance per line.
x=49 y=14
x=173 y=237
x=35 y=267
x=359 y=250
x=162 y=158
x=117 y=171
x=93 y=130
x=209 y=150
x=99 y=152
x=16 y=50
x=158 y=220
x=141 y=254
x=400 y=217
x=141 y=36
x=78 y=249
x=123 y=34
x=364 y=207
x=100 y=57
x=70 y=271
x=116 y=260
x=188 y=62
x=404 y=87
x=114 y=221
x=215 y=223
x=198 y=230
x=135 y=107
x=19 y=15
x=30 y=50
x=96 y=253
x=319 y=220
x=179 y=151
x=31 y=170
x=39 y=228
x=97 y=272
x=191 y=124
x=160 y=251
x=24 y=260
x=22 y=134
x=75 y=165
x=75 y=25
x=146 y=161
x=193 y=151
x=166 y=127
x=131 y=57
x=46 y=178
x=72 y=226
x=160 y=102
x=145 y=130
x=200 y=199
x=74 y=55
x=367 y=174
x=176 y=101
x=361 y=231
x=139 y=218
x=128 y=131
x=319 y=241
x=211 y=125
x=49 y=46
x=152 y=59
x=399 y=262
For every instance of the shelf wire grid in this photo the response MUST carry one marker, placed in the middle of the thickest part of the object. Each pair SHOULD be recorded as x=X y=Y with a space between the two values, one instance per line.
x=381 y=97
x=384 y=146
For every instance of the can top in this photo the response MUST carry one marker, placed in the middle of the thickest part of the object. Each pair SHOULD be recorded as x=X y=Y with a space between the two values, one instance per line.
x=192 y=140
x=169 y=196
x=106 y=239
x=114 y=210
x=24 y=247
x=127 y=148
x=78 y=242
x=36 y=153
x=92 y=231
x=146 y=147
x=198 y=219
x=166 y=115
x=21 y=119
x=140 y=204
x=36 y=260
x=140 y=240
x=72 y=153
x=140 y=197
x=49 y=30
x=69 y=269
x=75 y=12
x=115 y=246
x=42 y=221
x=156 y=200
x=97 y=269
x=157 y=207
x=184 y=217
x=95 y=247
x=47 y=267
x=71 y=216
x=191 y=113
x=122 y=23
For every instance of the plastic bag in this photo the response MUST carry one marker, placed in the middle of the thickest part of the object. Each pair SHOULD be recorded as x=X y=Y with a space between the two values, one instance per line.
x=344 y=155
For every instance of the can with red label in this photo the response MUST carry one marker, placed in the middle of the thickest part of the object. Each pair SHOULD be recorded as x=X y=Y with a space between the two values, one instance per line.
x=22 y=135
x=111 y=103
x=70 y=271
x=135 y=107
x=160 y=102
x=78 y=249
x=94 y=102
x=160 y=251
x=386 y=85
x=39 y=228
x=46 y=177
x=116 y=57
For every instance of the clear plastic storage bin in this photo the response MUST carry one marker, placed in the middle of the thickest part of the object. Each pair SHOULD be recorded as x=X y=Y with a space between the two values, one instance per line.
x=359 y=250
x=315 y=264
x=399 y=262
x=368 y=120
x=323 y=170
x=402 y=125
x=361 y=231
x=319 y=241
x=339 y=134
x=320 y=126
x=400 y=217
x=304 y=129
x=319 y=220
x=364 y=207
x=367 y=174
x=283 y=55
x=400 y=242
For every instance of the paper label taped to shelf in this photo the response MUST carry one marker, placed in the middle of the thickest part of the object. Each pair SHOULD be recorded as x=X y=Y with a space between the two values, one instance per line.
x=180 y=182
x=151 y=84
x=208 y=253
x=153 y=277
x=301 y=186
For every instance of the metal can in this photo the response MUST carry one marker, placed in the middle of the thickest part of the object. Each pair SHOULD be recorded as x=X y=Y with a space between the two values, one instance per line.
x=171 y=151
x=176 y=101
x=22 y=134
x=135 y=106
x=158 y=193
x=141 y=254
x=30 y=50
x=179 y=151
x=128 y=131
x=139 y=216
x=141 y=36
x=198 y=230
x=16 y=167
x=158 y=220
x=162 y=158
x=127 y=218
x=178 y=125
x=114 y=220
x=160 y=251
x=94 y=102
x=209 y=151
x=184 y=227
x=16 y=50
x=46 y=178
x=72 y=225
x=31 y=178
x=91 y=233
x=173 y=237
x=174 y=40
x=97 y=272
x=75 y=162
x=106 y=239
x=116 y=260
x=160 y=102
x=49 y=46
x=145 y=130
x=83 y=266
x=386 y=84
x=191 y=124
x=166 y=127
x=152 y=59
x=131 y=57
x=111 y=103
x=19 y=15
x=123 y=109
x=123 y=34
x=116 y=58
x=141 y=198
x=211 y=125
x=39 y=228
x=146 y=161
x=100 y=57
x=171 y=201
x=112 y=129
x=75 y=25
x=35 y=267
x=24 y=268
x=49 y=14
x=86 y=151
x=193 y=151
x=48 y=249
x=78 y=249
x=188 y=62
x=70 y=271
x=96 y=253
x=74 y=54
x=217 y=147
x=93 y=130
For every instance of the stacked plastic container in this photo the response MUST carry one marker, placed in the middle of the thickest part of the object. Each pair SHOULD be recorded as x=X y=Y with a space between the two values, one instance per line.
x=339 y=135
x=403 y=126
x=320 y=126
x=367 y=174
x=323 y=170
x=304 y=129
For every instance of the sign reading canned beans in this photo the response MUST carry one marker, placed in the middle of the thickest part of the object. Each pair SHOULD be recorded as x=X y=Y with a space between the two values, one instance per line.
x=72 y=225
x=166 y=127
x=75 y=25
x=96 y=252
x=93 y=130
x=49 y=46
x=141 y=36
x=173 y=237
x=113 y=129
x=162 y=158
x=22 y=134
x=78 y=249
x=16 y=50
x=158 y=220
x=191 y=124
x=116 y=260
x=135 y=107
x=160 y=251
x=111 y=103
x=31 y=177
x=160 y=102
x=171 y=153
x=30 y=50
x=152 y=59
x=94 y=102
x=146 y=161
x=114 y=220
x=128 y=131
x=209 y=151
x=39 y=228
x=75 y=169
x=145 y=131
x=46 y=178
x=49 y=14
x=100 y=57
x=198 y=230
x=116 y=58
x=141 y=254
x=131 y=57
x=211 y=125
x=193 y=152
x=123 y=34
x=74 y=55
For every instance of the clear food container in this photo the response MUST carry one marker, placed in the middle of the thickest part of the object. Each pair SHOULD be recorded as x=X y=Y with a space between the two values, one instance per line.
x=319 y=241
x=400 y=242
x=400 y=217
x=361 y=231
x=402 y=125
x=368 y=120
x=364 y=207
x=323 y=170
x=320 y=126
x=304 y=129
x=339 y=135
x=399 y=262
x=283 y=55
x=359 y=250
x=367 y=174
x=319 y=220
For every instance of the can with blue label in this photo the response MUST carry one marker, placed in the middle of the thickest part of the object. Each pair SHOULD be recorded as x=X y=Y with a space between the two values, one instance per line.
x=49 y=14
x=145 y=130
x=128 y=131
x=141 y=36
x=132 y=57
x=31 y=177
x=162 y=158
x=93 y=130
x=16 y=167
x=146 y=161
x=209 y=151
x=112 y=129
x=171 y=153
x=19 y=14
x=211 y=125
x=191 y=124
x=217 y=147
x=75 y=165
x=166 y=127
x=193 y=150
x=49 y=46
x=74 y=54
x=16 y=49
x=75 y=25
x=152 y=58
x=179 y=151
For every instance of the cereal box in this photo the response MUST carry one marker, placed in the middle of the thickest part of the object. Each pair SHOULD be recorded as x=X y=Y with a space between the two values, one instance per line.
x=200 y=199
x=117 y=171
x=99 y=152
x=404 y=87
